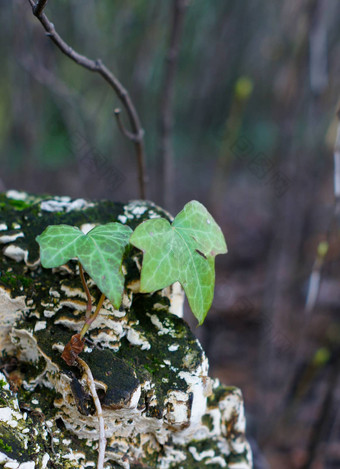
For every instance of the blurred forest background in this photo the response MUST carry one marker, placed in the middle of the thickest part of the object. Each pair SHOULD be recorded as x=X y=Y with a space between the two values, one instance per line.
x=255 y=94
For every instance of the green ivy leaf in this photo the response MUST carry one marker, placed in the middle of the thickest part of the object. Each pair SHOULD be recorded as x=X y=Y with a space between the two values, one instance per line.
x=58 y=245
x=183 y=251
x=100 y=252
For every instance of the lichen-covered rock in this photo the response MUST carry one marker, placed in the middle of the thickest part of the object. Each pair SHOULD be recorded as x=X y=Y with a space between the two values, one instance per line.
x=29 y=435
x=161 y=409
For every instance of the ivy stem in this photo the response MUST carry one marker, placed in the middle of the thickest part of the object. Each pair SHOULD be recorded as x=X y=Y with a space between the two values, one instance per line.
x=90 y=320
x=87 y=291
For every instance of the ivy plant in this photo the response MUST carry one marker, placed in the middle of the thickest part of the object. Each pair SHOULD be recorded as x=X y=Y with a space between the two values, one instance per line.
x=100 y=253
x=182 y=251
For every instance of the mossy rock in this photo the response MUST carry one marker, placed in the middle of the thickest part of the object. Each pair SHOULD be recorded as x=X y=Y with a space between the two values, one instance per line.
x=161 y=409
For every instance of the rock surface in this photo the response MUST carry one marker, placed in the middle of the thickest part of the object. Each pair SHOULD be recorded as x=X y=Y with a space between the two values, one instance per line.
x=160 y=407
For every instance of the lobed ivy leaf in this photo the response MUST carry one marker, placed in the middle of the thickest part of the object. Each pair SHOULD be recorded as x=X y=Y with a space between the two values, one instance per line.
x=183 y=251
x=100 y=252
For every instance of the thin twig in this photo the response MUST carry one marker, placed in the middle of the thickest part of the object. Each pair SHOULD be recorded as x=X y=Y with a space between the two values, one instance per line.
x=98 y=67
x=92 y=387
x=39 y=7
x=125 y=131
x=87 y=291
x=166 y=121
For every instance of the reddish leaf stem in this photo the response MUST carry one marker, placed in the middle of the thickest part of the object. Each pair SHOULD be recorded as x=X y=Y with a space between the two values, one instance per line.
x=87 y=291
x=90 y=320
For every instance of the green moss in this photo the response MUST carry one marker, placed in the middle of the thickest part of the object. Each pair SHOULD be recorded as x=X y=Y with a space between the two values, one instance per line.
x=12 y=445
x=18 y=204
x=16 y=282
x=151 y=363
x=238 y=458
x=207 y=420
x=200 y=446
x=5 y=446
x=220 y=393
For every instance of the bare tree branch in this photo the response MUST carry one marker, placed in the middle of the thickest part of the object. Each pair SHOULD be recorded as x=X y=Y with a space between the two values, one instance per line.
x=125 y=131
x=98 y=67
x=166 y=122
x=39 y=7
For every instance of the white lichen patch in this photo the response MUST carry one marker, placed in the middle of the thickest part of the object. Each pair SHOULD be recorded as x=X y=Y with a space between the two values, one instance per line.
x=72 y=324
x=63 y=269
x=173 y=347
x=76 y=305
x=172 y=456
x=7 y=461
x=48 y=313
x=75 y=456
x=11 y=465
x=176 y=299
x=217 y=460
x=59 y=347
x=16 y=195
x=178 y=409
x=162 y=329
x=45 y=460
x=61 y=204
x=203 y=455
x=106 y=339
x=72 y=292
x=122 y=218
x=137 y=338
x=54 y=293
x=16 y=253
x=135 y=209
x=11 y=309
x=9 y=238
x=106 y=320
x=39 y=326
x=28 y=465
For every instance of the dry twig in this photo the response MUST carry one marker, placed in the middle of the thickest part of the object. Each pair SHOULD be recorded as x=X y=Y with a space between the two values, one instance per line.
x=125 y=131
x=92 y=387
x=98 y=67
